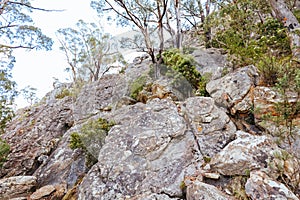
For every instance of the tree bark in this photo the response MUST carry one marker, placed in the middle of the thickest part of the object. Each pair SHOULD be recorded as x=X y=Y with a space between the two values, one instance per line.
x=284 y=14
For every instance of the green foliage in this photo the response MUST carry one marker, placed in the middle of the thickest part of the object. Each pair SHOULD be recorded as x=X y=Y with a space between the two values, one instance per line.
x=137 y=86
x=288 y=84
x=65 y=92
x=185 y=65
x=4 y=151
x=248 y=38
x=91 y=138
x=16 y=32
x=89 y=51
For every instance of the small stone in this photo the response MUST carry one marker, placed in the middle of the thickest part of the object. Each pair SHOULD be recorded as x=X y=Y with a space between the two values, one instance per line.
x=211 y=175
x=42 y=192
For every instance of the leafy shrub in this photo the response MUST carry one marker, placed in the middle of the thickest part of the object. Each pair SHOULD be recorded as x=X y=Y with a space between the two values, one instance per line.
x=63 y=93
x=185 y=65
x=137 y=86
x=72 y=91
x=249 y=39
x=4 y=151
x=91 y=138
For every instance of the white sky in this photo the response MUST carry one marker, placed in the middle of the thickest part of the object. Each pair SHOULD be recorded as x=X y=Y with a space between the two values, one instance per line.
x=37 y=68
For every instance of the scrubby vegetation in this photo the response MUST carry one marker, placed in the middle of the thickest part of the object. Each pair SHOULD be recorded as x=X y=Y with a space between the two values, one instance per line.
x=185 y=65
x=72 y=91
x=91 y=138
x=137 y=86
x=4 y=150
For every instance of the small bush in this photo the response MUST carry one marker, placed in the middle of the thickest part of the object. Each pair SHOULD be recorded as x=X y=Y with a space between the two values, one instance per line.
x=91 y=138
x=137 y=86
x=185 y=65
x=4 y=151
x=63 y=93
x=72 y=91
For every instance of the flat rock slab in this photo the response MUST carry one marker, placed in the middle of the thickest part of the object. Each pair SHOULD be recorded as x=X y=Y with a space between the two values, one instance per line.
x=42 y=192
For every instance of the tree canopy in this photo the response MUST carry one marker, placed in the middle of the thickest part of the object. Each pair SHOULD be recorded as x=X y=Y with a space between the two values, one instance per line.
x=89 y=51
x=16 y=31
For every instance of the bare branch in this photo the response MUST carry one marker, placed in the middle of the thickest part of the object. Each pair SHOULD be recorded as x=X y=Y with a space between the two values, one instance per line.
x=31 y=7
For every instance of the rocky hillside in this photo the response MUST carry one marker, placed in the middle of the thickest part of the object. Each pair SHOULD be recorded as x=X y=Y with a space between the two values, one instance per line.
x=129 y=136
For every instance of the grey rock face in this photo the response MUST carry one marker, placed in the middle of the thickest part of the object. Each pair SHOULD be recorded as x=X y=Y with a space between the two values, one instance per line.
x=67 y=165
x=231 y=90
x=146 y=146
x=33 y=135
x=244 y=154
x=212 y=127
x=210 y=61
x=99 y=96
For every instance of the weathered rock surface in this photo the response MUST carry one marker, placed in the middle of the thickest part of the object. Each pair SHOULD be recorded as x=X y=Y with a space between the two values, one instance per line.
x=34 y=134
x=235 y=92
x=67 y=165
x=42 y=192
x=210 y=62
x=16 y=185
x=247 y=152
x=146 y=146
x=200 y=190
x=99 y=96
x=260 y=186
x=212 y=127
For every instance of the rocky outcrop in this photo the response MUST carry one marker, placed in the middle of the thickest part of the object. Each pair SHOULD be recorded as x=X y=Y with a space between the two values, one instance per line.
x=168 y=146
x=148 y=145
x=34 y=135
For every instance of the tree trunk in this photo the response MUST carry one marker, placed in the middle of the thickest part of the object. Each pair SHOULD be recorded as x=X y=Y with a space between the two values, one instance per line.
x=284 y=14
x=178 y=24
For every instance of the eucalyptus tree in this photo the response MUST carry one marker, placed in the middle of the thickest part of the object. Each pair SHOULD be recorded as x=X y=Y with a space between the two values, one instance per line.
x=146 y=16
x=16 y=32
x=89 y=51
